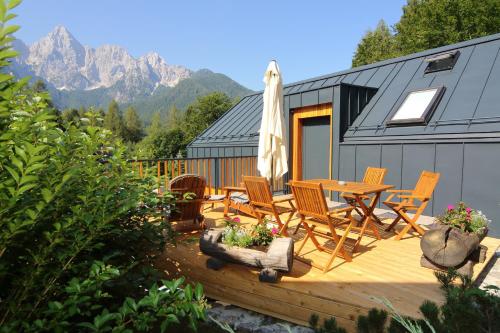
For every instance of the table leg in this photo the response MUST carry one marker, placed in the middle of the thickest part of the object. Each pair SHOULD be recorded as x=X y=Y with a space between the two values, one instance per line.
x=367 y=218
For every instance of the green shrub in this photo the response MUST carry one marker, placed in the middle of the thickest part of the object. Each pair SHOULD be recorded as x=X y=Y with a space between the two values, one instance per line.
x=78 y=232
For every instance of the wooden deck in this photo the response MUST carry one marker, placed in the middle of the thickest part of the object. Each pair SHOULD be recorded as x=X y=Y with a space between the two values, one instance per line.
x=381 y=269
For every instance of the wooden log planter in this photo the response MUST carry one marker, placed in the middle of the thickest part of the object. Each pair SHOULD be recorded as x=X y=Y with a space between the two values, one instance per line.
x=446 y=247
x=278 y=257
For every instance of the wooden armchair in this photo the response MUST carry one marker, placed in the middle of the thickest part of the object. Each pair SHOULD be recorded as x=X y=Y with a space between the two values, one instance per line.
x=263 y=203
x=188 y=209
x=412 y=200
x=373 y=176
x=312 y=208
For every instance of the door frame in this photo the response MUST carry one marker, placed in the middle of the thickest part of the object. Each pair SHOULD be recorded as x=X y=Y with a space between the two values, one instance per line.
x=299 y=114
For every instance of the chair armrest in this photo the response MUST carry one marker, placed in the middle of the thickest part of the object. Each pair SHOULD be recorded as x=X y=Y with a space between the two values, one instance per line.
x=399 y=191
x=234 y=189
x=410 y=196
x=341 y=210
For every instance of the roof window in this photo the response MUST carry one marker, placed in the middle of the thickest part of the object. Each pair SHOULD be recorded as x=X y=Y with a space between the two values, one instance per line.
x=441 y=62
x=417 y=107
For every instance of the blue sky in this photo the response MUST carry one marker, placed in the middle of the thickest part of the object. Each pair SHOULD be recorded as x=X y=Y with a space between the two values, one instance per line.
x=237 y=38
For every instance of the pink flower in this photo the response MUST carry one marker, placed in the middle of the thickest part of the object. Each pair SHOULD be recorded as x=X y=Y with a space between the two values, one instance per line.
x=468 y=210
x=237 y=220
x=451 y=207
x=274 y=231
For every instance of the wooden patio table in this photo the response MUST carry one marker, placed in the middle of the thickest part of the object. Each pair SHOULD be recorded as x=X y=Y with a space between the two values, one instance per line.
x=358 y=190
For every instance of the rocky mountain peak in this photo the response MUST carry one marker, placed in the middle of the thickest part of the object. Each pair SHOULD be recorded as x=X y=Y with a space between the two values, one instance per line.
x=61 y=60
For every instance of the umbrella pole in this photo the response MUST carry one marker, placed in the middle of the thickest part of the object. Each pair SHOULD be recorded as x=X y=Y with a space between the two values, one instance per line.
x=272 y=168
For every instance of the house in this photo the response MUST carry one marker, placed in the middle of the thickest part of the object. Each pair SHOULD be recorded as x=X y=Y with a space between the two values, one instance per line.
x=435 y=110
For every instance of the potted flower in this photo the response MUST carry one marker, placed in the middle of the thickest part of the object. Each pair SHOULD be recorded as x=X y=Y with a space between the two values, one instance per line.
x=258 y=236
x=258 y=246
x=459 y=231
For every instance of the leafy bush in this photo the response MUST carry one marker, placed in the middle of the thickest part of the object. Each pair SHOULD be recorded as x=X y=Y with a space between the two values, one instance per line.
x=78 y=233
x=464 y=218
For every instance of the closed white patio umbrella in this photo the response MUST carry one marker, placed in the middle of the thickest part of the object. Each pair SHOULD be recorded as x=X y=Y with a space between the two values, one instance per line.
x=272 y=154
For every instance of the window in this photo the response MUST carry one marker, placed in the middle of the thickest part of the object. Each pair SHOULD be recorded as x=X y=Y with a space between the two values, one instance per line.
x=441 y=62
x=417 y=107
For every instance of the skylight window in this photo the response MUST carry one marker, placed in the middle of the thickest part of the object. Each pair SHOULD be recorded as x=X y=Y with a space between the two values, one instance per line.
x=441 y=62
x=417 y=107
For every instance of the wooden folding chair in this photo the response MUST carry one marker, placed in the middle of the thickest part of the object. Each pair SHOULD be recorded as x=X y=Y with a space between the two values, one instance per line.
x=373 y=176
x=263 y=203
x=415 y=201
x=312 y=209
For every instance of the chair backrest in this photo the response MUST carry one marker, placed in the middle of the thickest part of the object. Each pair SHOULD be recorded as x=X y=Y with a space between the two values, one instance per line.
x=310 y=199
x=374 y=176
x=189 y=183
x=258 y=190
x=426 y=184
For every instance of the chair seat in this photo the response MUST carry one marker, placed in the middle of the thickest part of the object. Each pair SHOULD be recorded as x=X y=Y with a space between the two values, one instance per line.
x=283 y=197
x=215 y=197
x=239 y=197
x=280 y=209
x=333 y=205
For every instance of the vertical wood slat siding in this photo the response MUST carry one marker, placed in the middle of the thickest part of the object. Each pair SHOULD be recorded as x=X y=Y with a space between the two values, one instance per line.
x=218 y=172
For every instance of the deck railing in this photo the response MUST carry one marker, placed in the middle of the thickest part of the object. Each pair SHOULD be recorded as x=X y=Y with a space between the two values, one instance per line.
x=218 y=171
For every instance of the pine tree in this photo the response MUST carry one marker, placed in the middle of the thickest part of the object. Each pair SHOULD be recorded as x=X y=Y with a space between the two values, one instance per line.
x=156 y=126
x=174 y=119
x=133 y=126
x=70 y=116
x=113 y=120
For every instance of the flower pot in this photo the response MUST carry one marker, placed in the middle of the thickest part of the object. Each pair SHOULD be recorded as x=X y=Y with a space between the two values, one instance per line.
x=448 y=246
x=279 y=254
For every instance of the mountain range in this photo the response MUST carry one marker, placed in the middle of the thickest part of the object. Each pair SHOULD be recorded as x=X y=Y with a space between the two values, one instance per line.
x=78 y=75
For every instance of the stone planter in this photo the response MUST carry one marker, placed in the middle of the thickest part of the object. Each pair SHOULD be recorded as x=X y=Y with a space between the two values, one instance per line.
x=278 y=257
x=449 y=247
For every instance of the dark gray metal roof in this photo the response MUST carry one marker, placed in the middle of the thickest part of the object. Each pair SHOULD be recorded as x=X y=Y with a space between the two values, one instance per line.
x=470 y=104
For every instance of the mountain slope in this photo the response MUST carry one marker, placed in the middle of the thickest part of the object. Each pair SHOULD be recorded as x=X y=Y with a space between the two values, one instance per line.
x=78 y=75
x=200 y=83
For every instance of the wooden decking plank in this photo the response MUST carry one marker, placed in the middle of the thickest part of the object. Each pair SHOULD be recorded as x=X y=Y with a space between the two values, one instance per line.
x=386 y=268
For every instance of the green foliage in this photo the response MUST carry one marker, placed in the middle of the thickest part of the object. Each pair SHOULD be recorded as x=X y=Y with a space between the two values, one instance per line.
x=427 y=24
x=328 y=326
x=237 y=235
x=263 y=235
x=203 y=112
x=78 y=232
x=467 y=308
x=373 y=323
x=376 y=45
x=113 y=120
x=169 y=139
x=464 y=218
x=201 y=83
x=133 y=129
